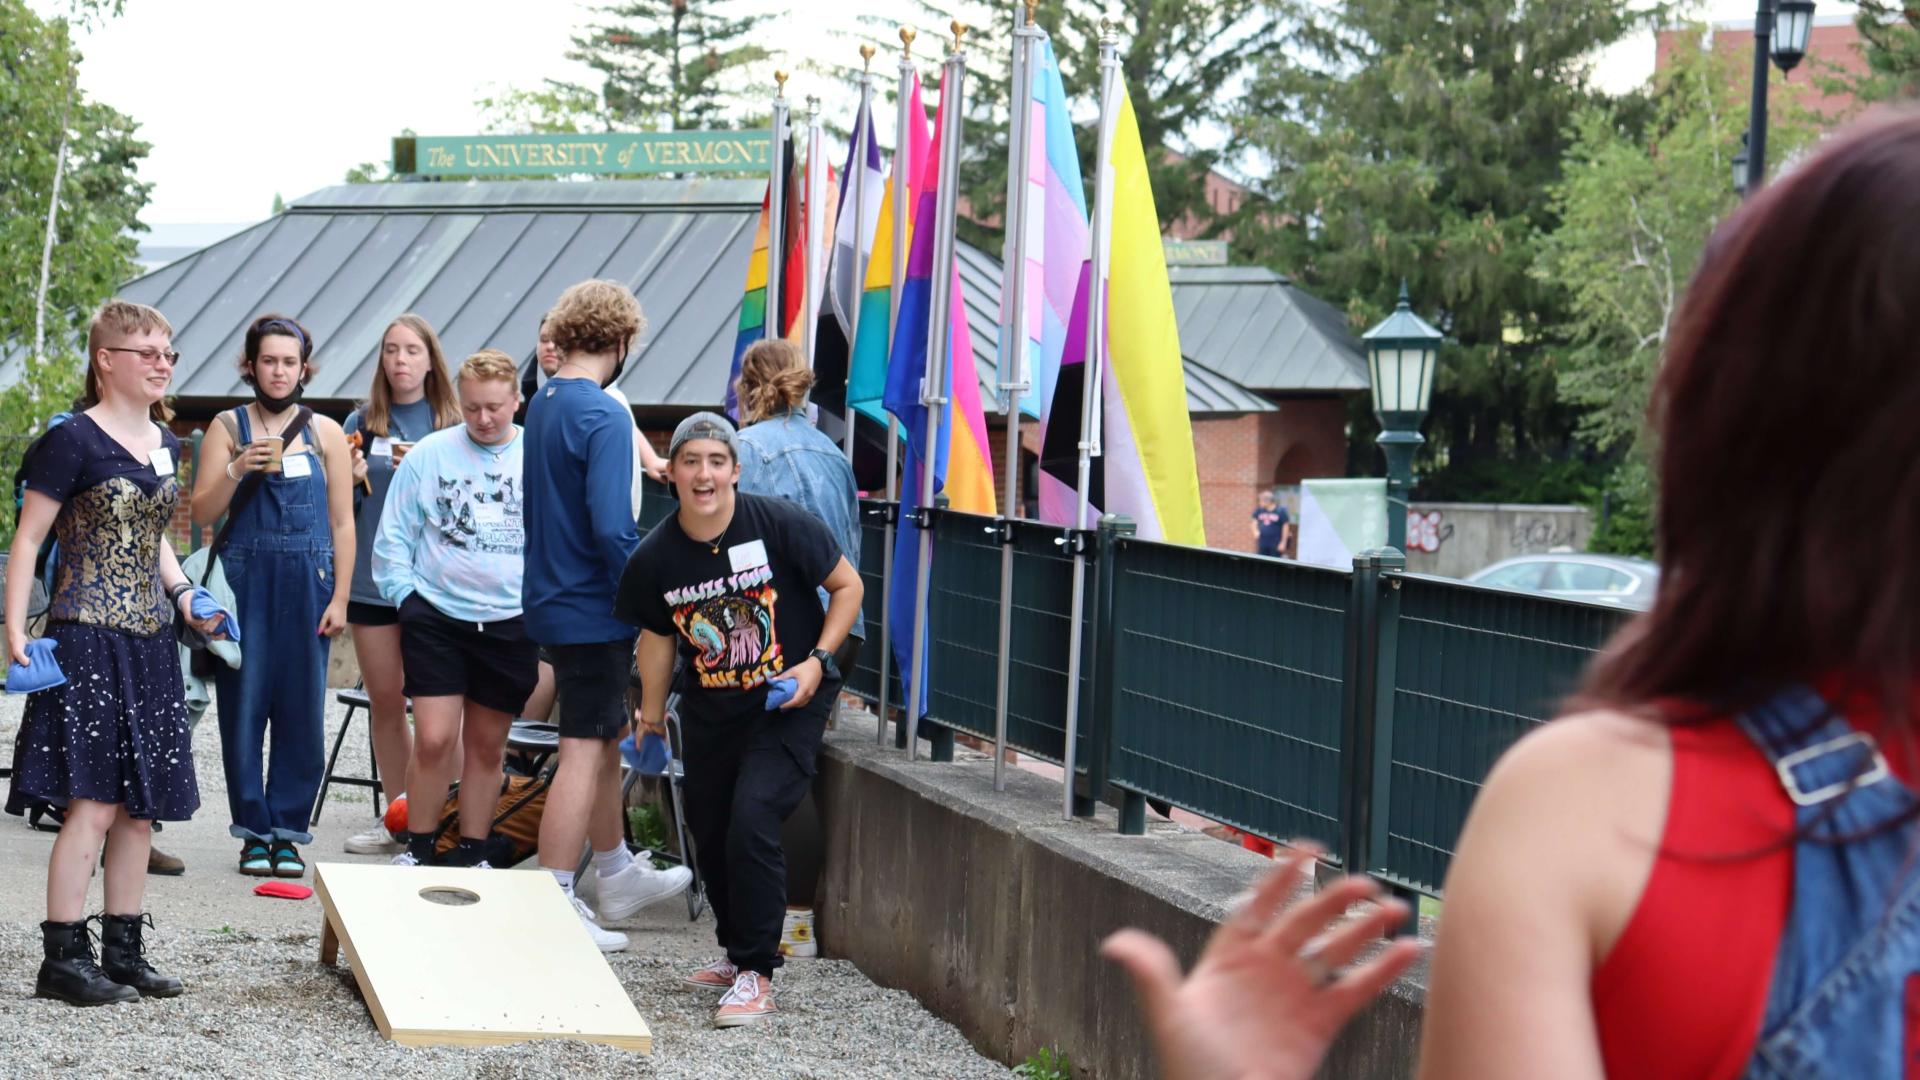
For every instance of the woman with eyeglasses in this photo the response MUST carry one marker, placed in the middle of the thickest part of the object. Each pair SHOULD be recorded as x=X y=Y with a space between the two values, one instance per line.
x=411 y=398
x=105 y=734
x=281 y=474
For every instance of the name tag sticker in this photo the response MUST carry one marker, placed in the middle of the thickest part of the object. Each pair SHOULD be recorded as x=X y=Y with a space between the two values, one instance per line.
x=162 y=461
x=382 y=447
x=296 y=466
x=747 y=556
x=489 y=513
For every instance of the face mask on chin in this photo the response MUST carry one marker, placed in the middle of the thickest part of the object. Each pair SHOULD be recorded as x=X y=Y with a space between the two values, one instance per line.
x=276 y=405
x=619 y=366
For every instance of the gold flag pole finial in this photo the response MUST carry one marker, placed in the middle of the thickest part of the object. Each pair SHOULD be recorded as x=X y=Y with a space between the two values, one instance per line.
x=781 y=78
x=959 y=31
x=813 y=107
x=1031 y=4
x=1109 y=29
x=866 y=58
x=907 y=34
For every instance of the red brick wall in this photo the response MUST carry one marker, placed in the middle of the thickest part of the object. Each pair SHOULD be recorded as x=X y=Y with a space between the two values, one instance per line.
x=1832 y=50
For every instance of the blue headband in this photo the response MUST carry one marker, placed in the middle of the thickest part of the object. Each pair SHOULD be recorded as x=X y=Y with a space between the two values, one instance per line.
x=287 y=327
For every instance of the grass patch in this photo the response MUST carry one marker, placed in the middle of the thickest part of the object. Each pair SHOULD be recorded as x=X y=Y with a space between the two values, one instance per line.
x=1045 y=1063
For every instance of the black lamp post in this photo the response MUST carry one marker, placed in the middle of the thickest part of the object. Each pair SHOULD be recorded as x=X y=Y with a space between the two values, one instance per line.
x=1780 y=27
x=1740 y=167
x=1401 y=355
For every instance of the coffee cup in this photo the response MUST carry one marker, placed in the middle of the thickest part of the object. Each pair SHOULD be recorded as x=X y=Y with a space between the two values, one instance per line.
x=275 y=446
x=400 y=450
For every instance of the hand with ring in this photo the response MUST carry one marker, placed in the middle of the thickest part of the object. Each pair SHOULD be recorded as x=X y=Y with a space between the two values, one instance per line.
x=1274 y=984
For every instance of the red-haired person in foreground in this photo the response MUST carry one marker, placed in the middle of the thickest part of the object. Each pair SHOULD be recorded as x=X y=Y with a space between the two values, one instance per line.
x=1707 y=869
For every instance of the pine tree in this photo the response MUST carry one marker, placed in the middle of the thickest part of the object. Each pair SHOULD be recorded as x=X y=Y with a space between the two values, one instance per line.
x=1420 y=140
x=669 y=65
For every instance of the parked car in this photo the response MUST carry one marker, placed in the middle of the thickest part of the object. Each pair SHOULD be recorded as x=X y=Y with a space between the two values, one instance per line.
x=1606 y=579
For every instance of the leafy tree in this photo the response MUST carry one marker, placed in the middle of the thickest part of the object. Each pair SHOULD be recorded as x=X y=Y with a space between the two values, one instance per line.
x=69 y=197
x=1891 y=32
x=1635 y=205
x=1419 y=140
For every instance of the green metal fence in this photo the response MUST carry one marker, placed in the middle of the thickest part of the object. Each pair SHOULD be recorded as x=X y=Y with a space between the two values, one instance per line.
x=1224 y=686
x=1472 y=670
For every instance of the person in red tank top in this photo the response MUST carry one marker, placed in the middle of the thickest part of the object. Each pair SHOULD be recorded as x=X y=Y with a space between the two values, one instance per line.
x=1622 y=887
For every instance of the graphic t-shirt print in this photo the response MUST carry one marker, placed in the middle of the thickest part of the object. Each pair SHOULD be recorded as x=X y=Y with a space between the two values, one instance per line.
x=481 y=514
x=729 y=622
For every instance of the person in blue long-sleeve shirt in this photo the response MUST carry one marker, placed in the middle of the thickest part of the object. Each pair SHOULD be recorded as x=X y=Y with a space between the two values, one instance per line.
x=580 y=531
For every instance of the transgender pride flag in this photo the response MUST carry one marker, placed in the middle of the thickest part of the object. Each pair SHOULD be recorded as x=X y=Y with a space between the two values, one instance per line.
x=1056 y=245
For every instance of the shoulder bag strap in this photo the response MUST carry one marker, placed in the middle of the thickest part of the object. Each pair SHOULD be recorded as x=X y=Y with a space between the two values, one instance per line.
x=244 y=494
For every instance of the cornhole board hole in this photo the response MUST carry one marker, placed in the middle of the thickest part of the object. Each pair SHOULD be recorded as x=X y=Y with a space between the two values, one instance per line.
x=455 y=957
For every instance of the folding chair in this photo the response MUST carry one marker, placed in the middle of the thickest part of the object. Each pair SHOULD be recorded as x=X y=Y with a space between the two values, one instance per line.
x=355 y=700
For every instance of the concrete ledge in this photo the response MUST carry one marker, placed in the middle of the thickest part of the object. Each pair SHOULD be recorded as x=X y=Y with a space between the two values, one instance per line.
x=990 y=909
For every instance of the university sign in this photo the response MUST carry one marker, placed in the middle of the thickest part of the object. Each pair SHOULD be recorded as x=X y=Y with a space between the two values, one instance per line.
x=558 y=155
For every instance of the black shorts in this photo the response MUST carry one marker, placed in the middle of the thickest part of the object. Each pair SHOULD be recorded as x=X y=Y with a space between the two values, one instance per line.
x=359 y=614
x=590 y=682
x=493 y=665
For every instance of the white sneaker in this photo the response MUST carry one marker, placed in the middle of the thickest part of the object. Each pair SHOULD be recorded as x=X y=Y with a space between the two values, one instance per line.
x=625 y=893
x=796 y=936
x=604 y=940
x=405 y=858
x=375 y=841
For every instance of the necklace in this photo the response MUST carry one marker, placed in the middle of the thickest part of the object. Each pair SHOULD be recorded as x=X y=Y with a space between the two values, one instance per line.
x=713 y=545
x=268 y=428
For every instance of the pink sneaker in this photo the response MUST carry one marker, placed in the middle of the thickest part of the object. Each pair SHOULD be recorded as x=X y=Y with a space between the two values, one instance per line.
x=750 y=1001
x=717 y=976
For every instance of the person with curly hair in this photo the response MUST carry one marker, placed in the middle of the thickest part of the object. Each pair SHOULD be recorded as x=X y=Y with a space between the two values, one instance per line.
x=579 y=479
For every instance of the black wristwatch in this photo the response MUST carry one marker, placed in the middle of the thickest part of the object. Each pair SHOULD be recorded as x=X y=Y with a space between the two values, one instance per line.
x=828 y=669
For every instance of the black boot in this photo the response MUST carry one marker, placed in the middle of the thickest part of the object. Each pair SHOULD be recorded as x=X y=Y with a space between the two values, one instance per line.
x=69 y=973
x=123 y=956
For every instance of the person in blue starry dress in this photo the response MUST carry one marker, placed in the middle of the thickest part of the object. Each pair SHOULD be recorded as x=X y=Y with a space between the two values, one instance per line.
x=112 y=742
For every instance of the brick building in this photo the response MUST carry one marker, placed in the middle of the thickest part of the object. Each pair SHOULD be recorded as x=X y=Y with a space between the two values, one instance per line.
x=1267 y=366
x=1835 y=53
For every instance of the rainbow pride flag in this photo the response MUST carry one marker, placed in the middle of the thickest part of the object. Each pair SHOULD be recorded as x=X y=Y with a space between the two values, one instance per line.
x=753 y=304
x=867 y=377
x=959 y=453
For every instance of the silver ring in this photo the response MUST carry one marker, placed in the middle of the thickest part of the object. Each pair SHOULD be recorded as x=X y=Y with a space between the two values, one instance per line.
x=1317 y=971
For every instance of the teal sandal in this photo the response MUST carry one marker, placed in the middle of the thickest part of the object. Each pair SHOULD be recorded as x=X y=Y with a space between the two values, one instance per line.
x=287 y=862
x=255 y=861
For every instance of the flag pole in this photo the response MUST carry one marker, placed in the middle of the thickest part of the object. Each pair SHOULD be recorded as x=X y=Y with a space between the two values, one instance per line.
x=933 y=387
x=777 y=214
x=1013 y=356
x=1090 y=406
x=902 y=161
x=862 y=138
x=810 y=243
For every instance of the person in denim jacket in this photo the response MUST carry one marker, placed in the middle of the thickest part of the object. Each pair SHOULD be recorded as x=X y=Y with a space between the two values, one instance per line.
x=782 y=454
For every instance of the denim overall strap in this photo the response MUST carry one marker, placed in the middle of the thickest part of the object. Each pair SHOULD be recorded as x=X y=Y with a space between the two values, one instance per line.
x=1850 y=953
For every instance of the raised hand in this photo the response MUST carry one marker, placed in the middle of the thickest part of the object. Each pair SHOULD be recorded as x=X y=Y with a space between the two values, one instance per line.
x=1269 y=992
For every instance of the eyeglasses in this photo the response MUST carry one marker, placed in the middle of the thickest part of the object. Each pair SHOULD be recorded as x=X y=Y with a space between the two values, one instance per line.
x=149 y=356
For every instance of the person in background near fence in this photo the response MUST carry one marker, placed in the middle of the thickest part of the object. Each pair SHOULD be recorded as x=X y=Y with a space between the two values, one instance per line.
x=580 y=530
x=281 y=474
x=731 y=579
x=782 y=455
x=411 y=398
x=1707 y=869
x=449 y=559
x=646 y=462
x=112 y=742
x=1272 y=528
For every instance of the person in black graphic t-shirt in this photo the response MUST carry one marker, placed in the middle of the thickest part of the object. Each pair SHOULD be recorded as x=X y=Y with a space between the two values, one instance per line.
x=729 y=581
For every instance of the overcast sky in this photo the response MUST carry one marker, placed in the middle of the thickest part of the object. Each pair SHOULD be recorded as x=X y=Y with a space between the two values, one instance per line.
x=243 y=99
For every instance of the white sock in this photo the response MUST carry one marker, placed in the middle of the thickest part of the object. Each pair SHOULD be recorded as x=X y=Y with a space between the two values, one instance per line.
x=609 y=863
x=565 y=878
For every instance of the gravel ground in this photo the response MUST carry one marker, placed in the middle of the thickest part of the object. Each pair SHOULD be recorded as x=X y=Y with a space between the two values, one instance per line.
x=259 y=1003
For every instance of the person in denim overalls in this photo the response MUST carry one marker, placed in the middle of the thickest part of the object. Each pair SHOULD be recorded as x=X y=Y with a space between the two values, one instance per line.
x=288 y=556
x=1709 y=865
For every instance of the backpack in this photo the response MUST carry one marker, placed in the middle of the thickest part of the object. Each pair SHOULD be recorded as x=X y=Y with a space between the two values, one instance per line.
x=45 y=562
x=515 y=835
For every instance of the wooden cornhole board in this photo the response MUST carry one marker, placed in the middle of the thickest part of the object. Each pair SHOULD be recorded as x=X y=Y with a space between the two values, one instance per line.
x=514 y=964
